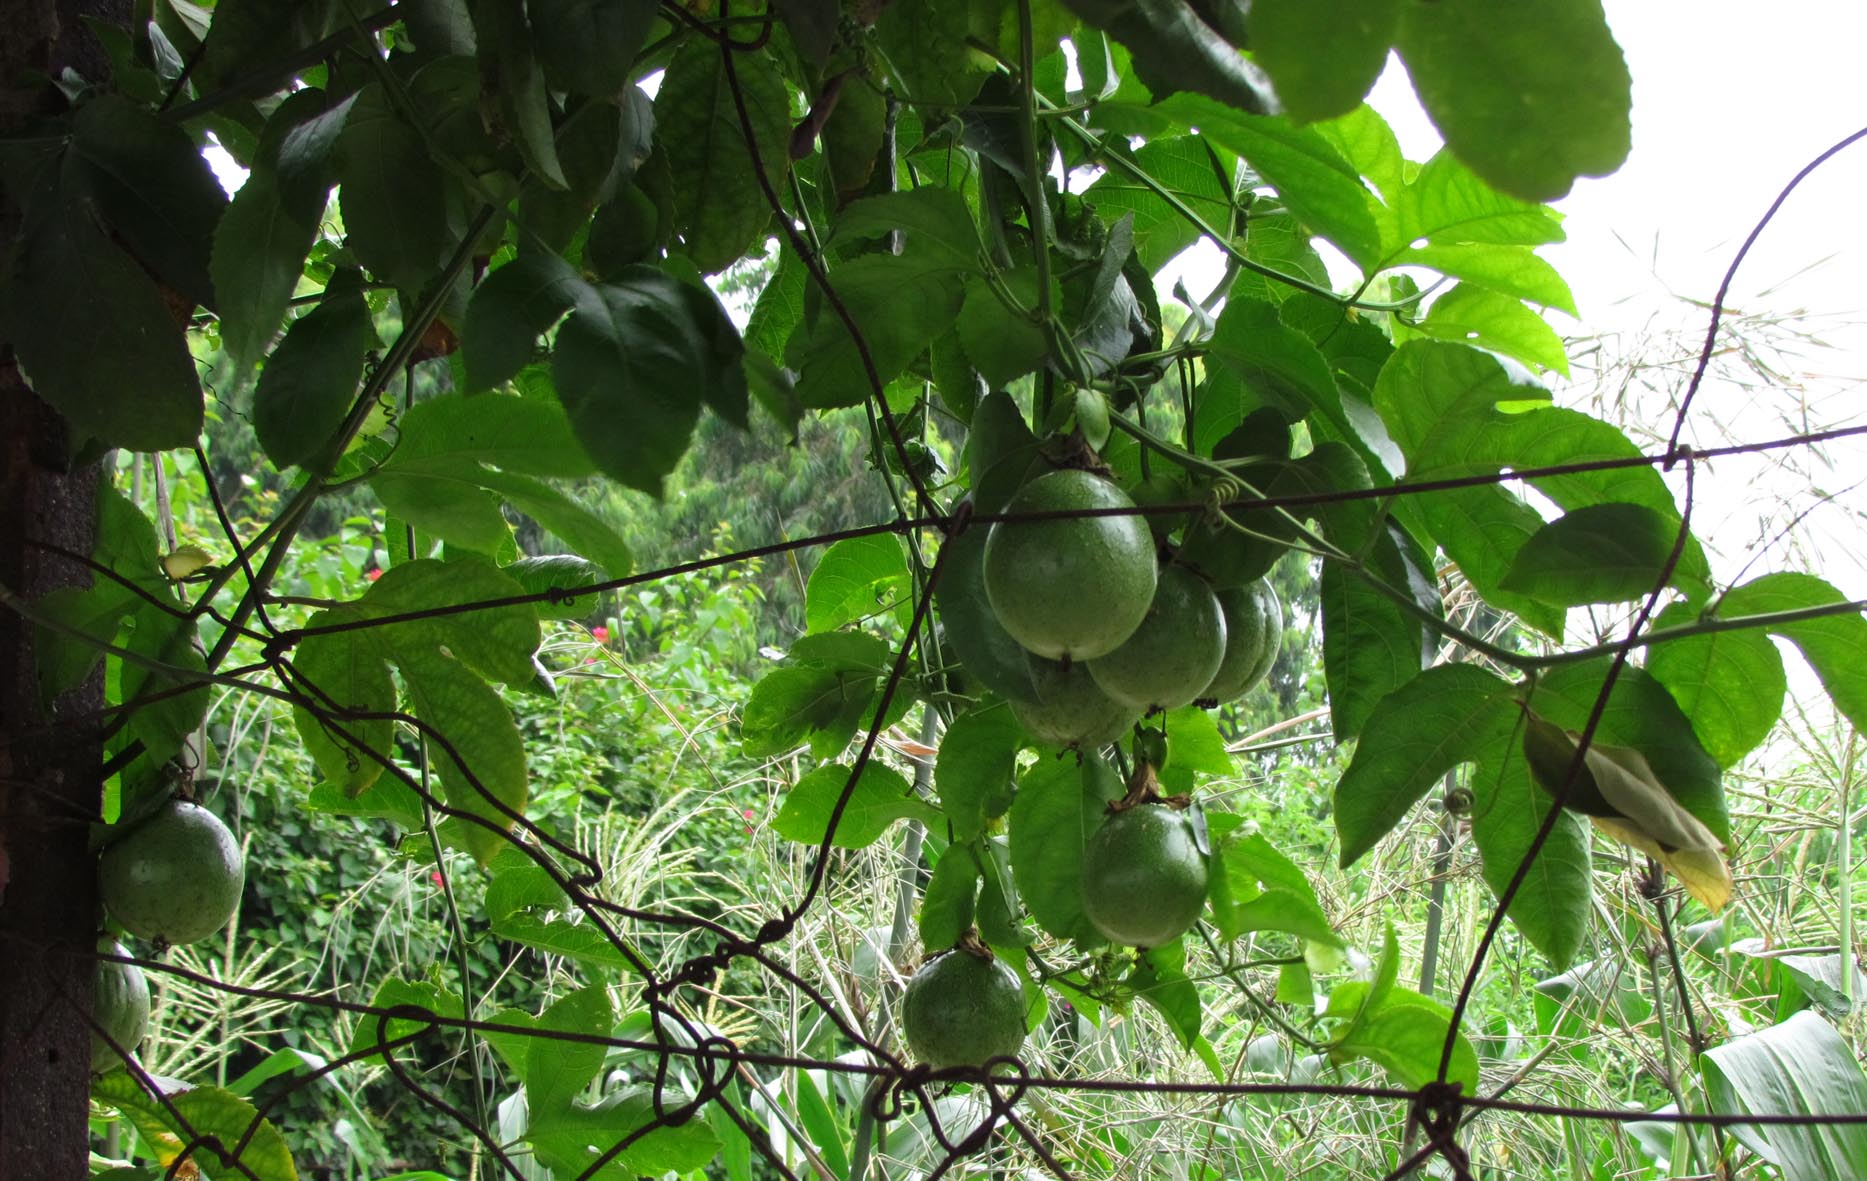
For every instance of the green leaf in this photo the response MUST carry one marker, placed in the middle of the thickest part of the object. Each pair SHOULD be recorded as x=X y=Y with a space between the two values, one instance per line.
x=1404 y=1033
x=531 y=435
x=183 y=1118
x=1322 y=57
x=524 y=905
x=925 y=47
x=901 y=303
x=343 y=671
x=392 y=194
x=444 y=498
x=153 y=187
x=1801 y=1067
x=1001 y=344
x=1730 y=684
x=510 y=309
x=126 y=545
x=1279 y=241
x=1516 y=271
x=1370 y=644
x=947 y=903
x=307 y=387
x=572 y=1138
x=632 y=370
x=1446 y=203
x=555 y=1073
x=1186 y=166
x=975 y=768
x=720 y=208
x=1281 y=366
x=935 y=222
x=497 y=643
x=569 y=521
x=780 y=306
x=1283 y=910
x=1528 y=120
x=880 y=798
x=166 y=722
x=1832 y=644
x=88 y=327
x=1194 y=742
x=856 y=578
x=558 y=572
x=1604 y=553
x=1448 y=715
x=589 y=46
x=853 y=138
x=1457 y=411
x=1322 y=189
x=1160 y=979
x=373 y=1033
x=1552 y=907
x=1472 y=315
x=387 y=799
x=1172 y=49
x=1058 y=808
x=484 y=772
x=824 y=693
x=262 y=240
x=259 y=253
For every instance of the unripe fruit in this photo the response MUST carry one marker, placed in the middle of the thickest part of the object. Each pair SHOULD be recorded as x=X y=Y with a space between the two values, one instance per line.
x=1254 y=627
x=1144 y=878
x=1070 y=587
x=120 y=1003
x=1172 y=656
x=1070 y=709
x=175 y=878
x=962 y=1009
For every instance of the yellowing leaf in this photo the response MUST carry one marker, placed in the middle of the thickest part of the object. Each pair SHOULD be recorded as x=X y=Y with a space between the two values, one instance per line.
x=1703 y=872
x=184 y=561
x=1617 y=789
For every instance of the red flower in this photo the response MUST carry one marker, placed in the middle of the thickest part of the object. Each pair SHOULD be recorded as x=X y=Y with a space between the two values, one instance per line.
x=600 y=634
x=435 y=877
x=373 y=573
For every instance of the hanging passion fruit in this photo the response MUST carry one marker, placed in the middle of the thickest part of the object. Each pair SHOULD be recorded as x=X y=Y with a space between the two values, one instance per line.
x=1070 y=588
x=1172 y=656
x=963 y=1008
x=1144 y=877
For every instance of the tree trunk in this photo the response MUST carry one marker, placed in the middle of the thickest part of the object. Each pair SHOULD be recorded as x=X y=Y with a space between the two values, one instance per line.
x=49 y=757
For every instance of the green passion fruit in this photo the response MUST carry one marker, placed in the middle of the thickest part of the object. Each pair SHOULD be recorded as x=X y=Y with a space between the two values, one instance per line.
x=963 y=1009
x=1069 y=709
x=1070 y=588
x=175 y=878
x=1173 y=655
x=120 y=1003
x=1254 y=628
x=1144 y=878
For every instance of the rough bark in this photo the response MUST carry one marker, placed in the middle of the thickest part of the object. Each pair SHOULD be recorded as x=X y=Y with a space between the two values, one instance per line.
x=49 y=756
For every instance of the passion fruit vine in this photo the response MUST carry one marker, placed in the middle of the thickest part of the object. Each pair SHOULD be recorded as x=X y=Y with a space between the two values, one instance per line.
x=963 y=1008
x=1070 y=588
x=175 y=878
x=1144 y=877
